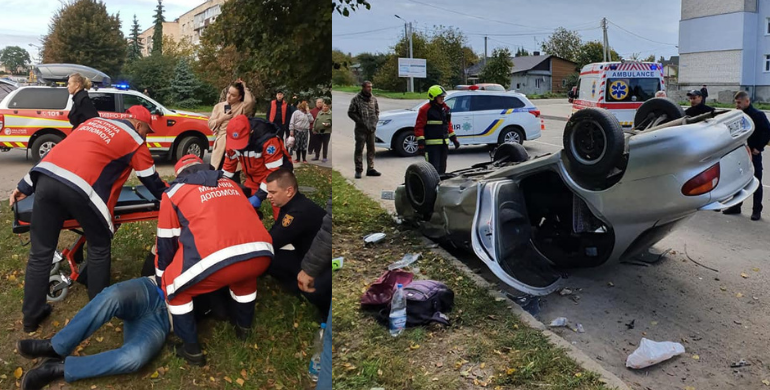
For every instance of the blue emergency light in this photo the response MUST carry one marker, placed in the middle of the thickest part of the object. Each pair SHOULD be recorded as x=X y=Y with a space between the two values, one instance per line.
x=121 y=86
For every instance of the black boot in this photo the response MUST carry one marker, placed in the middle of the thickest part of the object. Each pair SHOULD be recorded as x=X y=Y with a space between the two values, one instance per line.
x=44 y=373
x=242 y=333
x=372 y=172
x=192 y=353
x=33 y=325
x=32 y=349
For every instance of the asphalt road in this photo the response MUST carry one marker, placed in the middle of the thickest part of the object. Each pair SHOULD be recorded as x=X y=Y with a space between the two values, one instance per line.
x=720 y=316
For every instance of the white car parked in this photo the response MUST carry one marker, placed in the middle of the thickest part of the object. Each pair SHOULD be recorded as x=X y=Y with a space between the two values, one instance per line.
x=478 y=117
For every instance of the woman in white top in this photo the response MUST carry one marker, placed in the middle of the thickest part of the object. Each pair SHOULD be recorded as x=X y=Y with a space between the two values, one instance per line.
x=299 y=128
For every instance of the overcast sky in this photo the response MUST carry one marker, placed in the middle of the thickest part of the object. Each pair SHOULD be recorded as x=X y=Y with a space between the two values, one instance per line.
x=649 y=27
x=24 y=22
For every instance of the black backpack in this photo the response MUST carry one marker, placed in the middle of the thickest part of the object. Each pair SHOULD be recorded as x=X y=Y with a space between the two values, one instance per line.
x=426 y=302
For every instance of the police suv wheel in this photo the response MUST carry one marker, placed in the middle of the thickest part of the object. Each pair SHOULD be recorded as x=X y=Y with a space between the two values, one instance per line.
x=511 y=135
x=405 y=144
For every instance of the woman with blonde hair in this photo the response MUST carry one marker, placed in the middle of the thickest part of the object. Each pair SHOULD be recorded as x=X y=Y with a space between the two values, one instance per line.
x=299 y=128
x=238 y=101
x=82 y=108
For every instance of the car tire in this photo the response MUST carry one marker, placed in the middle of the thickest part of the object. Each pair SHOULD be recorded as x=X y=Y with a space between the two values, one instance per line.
x=510 y=153
x=405 y=143
x=421 y=181
x=594 y=142
x=511 y=135
x=655 y=112
x=190 y=145
x=43 y=144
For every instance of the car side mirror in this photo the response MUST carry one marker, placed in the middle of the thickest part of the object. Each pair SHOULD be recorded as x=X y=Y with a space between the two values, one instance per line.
x=157 y=112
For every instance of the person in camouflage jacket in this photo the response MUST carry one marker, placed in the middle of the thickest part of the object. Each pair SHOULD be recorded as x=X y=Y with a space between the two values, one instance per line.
x=365 y=112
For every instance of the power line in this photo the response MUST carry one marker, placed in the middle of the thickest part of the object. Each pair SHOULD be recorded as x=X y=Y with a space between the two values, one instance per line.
x=472 y=16
x=366 y=32
x=639 y=36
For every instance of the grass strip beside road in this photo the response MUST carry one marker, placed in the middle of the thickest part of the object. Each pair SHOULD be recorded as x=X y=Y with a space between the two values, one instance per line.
x=275 y=356
x=382 y=93
x=487 y=346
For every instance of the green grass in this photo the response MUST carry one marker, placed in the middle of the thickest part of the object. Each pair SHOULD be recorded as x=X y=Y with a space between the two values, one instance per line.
x=199 y=109
x=275 y=356
x=382 y=93
x=486 y=346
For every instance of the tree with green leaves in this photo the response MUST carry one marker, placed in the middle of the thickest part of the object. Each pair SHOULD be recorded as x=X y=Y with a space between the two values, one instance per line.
x=593 y=51
x=563 y=43
x=343 y=7
x=15 y=59
x=155 y=72
x=269 y=44
x=82 y=32
x=370 y=63
x=135 y=45
x=521 y=52
x=157 y=34
x=498 y=68
x=341 y=69
x=184 y=86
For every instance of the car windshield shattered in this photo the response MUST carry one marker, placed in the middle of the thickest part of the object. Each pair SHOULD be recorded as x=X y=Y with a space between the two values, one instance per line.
x=608 y=195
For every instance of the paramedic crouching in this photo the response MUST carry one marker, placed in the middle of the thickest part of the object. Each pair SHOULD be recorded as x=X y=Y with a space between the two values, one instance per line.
x=88 y=168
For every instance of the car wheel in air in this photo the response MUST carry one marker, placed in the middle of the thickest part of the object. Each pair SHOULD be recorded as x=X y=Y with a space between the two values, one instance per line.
x=510 y=153
x=406 y=143
x=422 y=180
x=190 y=145
x=593 y=142
x=511 y=135
x=656 y=111
x=43 y=144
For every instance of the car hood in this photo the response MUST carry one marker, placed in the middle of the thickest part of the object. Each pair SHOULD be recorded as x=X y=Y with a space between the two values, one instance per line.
x=395 y=114
x=189 y=114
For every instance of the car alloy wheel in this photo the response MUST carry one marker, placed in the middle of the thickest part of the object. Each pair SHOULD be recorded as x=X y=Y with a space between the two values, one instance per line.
x=194 y=149
x=512 y=137
x=589 y=142
x=45 y=148
x=410 y=144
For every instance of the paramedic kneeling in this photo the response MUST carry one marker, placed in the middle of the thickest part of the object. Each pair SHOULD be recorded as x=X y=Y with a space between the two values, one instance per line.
x=293 y=232
x=199 y=251
x=89 y=168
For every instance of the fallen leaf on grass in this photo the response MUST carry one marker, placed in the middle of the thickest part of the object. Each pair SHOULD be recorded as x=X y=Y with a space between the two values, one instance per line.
x=100 y=339
x=439 y=364
x=155 y=375
x=17 y=372
x=696 y=357
x=766 y=382
x=578 y=374
x=55 y=324
x=510 y=371
x=244 y=374
x=239 y=381
x=744 y=275
x=93 y=387
x=414 y=346
x=211 y=378
x=227 y=378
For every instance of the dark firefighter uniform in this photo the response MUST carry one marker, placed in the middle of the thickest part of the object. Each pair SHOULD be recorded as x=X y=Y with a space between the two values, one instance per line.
x=209 y=237
x=433 y=130
x=293 y=232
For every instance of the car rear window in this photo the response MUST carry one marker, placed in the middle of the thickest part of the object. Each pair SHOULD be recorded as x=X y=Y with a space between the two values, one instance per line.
x=103 y=101
x=631 y=90
x=491 y=102
x=40 y=98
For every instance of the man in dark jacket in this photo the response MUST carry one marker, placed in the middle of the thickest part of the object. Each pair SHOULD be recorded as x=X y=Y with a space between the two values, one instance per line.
x=293 y=232
x=704 y=92
x=757 y=141
x=697 y=104
x=365 y=112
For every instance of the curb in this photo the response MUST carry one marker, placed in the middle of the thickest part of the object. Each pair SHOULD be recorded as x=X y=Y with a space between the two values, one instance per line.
x=579 y=356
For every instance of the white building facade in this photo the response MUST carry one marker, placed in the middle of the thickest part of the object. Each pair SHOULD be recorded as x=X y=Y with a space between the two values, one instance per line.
x=725 y=44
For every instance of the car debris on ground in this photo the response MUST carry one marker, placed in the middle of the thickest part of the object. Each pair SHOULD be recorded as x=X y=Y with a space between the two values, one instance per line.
x=653 y=352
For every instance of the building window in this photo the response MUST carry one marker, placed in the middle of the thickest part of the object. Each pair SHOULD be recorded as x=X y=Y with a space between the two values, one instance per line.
x=563 y=82
x=537 y=83
x=767 y=26
x=767 y=62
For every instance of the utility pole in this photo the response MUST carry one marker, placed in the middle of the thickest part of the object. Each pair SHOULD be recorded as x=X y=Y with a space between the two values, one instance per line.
x=411 y=55
x=606 y=50
x=485 y=51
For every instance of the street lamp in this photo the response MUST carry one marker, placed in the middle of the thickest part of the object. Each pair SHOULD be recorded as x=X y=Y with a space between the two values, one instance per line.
x=411 y=33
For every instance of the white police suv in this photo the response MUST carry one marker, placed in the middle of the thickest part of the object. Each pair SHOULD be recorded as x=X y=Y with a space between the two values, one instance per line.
x=478 y=117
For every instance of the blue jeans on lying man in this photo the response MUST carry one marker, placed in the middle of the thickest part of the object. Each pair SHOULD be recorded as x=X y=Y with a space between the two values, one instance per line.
x=141 y=306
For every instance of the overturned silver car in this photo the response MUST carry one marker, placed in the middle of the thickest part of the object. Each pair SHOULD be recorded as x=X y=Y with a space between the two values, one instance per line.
x=608 y=195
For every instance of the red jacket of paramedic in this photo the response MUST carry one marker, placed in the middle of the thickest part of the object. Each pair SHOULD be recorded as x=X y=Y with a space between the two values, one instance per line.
x=96 y=160
x=205 y=224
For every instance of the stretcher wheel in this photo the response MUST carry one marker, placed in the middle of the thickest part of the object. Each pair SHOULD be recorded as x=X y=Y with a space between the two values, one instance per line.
x=57 y=259
x=57 y=288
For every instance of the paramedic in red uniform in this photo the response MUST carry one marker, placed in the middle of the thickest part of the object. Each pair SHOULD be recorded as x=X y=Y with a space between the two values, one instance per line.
x=433 y=129
x=209 y=237
x=88 y=168
x=256 y=144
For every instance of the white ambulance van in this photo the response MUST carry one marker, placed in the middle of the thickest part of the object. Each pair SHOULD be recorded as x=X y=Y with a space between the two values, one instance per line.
x=620 y=87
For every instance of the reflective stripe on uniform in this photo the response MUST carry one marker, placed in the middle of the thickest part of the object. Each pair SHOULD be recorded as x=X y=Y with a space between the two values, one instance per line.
x=244 y=298
x=180 y=309
x=437 y=141
x=274 y=164
x=169 y=233
x=420 y=137
x=435 y=123
x=147 y=172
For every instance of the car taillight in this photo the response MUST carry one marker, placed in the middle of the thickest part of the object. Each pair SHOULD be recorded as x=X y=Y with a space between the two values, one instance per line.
x=536 y=113
x=703 y=182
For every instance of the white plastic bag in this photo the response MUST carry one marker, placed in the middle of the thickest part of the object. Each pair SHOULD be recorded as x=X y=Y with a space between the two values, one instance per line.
x=653 y=352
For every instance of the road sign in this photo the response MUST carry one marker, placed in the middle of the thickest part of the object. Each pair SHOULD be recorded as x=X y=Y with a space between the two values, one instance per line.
x=412 y=67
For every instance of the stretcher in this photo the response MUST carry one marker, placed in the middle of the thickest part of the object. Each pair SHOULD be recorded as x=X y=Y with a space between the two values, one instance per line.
x=135 y=204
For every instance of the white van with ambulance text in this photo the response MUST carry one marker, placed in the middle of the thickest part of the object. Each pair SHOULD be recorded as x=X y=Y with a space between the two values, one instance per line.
x=620 y=87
